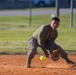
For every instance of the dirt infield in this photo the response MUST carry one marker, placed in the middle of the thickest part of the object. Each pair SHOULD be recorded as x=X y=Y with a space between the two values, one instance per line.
x=15 y=65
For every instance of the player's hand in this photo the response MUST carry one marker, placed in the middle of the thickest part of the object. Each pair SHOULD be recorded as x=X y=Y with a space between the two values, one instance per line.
x=46 y=54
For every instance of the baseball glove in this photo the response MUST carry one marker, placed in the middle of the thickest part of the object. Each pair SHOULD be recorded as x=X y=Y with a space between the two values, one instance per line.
x=55 y=56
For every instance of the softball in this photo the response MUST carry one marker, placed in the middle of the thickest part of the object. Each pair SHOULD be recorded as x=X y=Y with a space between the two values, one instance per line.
x=42 y=58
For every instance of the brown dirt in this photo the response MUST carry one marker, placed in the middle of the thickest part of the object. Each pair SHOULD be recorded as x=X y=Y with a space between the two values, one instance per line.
x=15 y=65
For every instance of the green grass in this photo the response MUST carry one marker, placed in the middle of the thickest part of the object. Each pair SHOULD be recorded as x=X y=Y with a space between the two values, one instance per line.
x=15 y=31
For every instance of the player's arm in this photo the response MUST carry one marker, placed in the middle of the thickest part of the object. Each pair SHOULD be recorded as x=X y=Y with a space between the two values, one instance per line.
x=41 y=35
x=52 y=40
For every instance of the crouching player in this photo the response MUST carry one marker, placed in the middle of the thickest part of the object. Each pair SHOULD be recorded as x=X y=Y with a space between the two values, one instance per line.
x=45 y=37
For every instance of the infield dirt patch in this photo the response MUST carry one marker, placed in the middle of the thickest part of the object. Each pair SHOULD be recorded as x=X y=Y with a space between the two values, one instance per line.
x=15 y=65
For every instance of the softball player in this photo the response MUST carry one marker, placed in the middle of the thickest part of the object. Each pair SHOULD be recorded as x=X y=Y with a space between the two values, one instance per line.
x=45 y=37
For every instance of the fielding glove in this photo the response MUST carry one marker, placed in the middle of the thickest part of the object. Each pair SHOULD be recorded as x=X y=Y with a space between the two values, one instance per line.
x=55 y=55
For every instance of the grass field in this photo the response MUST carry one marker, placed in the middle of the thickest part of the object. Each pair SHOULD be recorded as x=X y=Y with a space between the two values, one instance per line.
x=15 y=31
